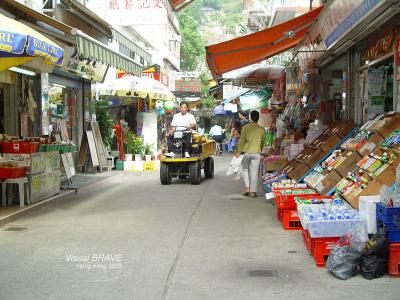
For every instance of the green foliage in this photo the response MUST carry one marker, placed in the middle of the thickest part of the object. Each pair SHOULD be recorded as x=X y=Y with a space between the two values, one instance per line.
x=134 y=143
x=193 y=45
x=208 y=102
x=105 y=122
x=148 y=149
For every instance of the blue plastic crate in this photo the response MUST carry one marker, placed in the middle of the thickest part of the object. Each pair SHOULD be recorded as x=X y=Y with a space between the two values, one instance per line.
x=390 y=216
x=266 y=188
x=393 y=236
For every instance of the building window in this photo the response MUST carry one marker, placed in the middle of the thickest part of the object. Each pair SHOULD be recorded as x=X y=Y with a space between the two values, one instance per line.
x=48 y=4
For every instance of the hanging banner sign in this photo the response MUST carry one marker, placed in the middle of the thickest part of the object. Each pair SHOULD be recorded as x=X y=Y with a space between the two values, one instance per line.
x=12 y=42
x=352 y=19
x=335 y=20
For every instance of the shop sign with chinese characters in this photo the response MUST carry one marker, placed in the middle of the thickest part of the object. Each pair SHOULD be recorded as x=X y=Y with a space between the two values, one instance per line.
x=337 y=18
x=378 y=47
x=136 y=12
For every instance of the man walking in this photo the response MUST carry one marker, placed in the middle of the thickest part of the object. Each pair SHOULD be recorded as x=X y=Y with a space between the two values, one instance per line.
x=251 y=143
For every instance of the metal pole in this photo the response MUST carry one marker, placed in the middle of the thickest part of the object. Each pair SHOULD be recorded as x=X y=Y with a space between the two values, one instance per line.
x=311 y=4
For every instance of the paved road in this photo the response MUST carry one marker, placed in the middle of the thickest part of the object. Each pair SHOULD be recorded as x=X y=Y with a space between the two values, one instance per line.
x=130 y=238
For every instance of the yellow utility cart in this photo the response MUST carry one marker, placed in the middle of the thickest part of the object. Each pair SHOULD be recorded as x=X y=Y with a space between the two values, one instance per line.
x=183 y=167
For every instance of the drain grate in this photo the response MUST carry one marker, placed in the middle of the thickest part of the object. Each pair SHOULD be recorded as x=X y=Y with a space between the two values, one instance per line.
x=292 y=251
x=263 y=273
x=15 y=228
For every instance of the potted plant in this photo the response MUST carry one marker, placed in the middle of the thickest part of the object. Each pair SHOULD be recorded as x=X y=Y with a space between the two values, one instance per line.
x=134 y=146
x=137 y=147
x=129 y=145
x=148 y=151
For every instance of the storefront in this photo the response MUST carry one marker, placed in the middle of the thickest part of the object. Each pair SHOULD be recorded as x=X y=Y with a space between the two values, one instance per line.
x=335 y=51
x=375 y=78
x=65 y=96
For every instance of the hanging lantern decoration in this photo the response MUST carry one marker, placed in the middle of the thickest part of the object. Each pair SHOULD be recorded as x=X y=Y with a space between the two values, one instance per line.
x=168 y=107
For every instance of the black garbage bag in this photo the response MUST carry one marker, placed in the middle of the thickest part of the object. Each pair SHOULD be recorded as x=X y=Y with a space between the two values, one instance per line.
x=373 y=266
x=375 y=259
x=343 y=262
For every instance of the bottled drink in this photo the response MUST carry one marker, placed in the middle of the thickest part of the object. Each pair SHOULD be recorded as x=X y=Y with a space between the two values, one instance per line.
x=331 y=216
x=339 y=216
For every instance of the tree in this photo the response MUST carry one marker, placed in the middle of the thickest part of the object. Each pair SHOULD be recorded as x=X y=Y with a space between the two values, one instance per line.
x=105 y=121
x=193 y=45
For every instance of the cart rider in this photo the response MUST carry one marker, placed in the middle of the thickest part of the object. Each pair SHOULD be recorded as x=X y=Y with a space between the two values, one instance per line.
x=185 y=122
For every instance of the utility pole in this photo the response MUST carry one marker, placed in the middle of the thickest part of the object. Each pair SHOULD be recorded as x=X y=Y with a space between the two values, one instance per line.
x=311 y=4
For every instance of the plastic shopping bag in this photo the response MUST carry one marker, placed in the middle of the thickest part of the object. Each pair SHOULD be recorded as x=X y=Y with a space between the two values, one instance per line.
x=235 y=167
x=343 y=262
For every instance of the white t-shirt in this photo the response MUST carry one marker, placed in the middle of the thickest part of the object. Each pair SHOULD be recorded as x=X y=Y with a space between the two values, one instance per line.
x=181 y=122
x=215 y=130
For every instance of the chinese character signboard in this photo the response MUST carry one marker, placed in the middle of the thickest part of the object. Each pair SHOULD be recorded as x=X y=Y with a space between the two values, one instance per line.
x=135 y=12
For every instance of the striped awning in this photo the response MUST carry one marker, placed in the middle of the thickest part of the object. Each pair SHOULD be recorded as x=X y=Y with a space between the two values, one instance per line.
x=132 y=46
x=91 y=48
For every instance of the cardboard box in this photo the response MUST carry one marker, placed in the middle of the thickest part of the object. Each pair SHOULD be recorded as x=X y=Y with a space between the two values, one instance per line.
x=390 y=125
x=326 y=142
x=312 y=157
x=329 y=182
x=388 y=175
x=298 y=171
x=371 y=144
x=341 y=129
x=373 y=188
x=348 y=164
x=274 y=164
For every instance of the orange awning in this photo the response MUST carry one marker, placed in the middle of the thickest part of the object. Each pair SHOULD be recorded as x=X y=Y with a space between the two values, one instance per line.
x=177 y=5
x=255 y=47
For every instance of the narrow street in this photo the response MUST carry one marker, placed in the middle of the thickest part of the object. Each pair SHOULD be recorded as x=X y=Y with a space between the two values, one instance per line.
x=147 y=241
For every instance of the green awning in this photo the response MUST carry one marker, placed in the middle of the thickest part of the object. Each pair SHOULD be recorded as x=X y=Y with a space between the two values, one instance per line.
x=132 y=46
x=91 y=48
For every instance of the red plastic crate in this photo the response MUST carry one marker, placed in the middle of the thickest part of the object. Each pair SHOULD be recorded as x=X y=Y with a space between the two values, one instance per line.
x=307 y=241
x=287 y=201
x=394 y=259
x=321 y=248
x=20 y=147
x=279 y=212
x=307 y=197
x=290 y=219
x=17 y=172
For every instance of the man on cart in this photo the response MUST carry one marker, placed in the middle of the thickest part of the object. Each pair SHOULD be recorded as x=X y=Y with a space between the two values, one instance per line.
x=182 y=122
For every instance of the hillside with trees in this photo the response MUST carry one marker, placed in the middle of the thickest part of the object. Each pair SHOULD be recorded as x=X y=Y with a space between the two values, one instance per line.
x=206 y=22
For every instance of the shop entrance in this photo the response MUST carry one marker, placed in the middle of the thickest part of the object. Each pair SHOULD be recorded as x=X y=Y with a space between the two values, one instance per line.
x=63 y=103
x=334 y=78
